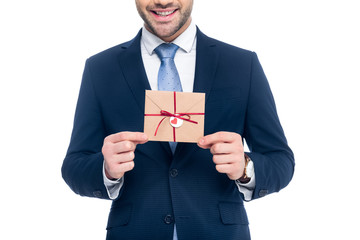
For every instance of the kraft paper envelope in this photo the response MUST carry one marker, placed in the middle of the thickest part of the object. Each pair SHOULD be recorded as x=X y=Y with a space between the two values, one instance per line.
x=174 y=116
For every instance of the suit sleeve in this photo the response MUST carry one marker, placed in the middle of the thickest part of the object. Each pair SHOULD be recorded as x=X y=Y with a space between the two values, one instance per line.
x=272 y=157
x=82 y=166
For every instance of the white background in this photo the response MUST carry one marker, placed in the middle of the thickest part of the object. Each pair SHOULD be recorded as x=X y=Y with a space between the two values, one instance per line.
x=309 y=50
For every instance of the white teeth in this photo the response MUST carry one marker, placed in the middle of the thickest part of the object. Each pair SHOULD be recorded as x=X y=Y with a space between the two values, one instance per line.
x=164 y=14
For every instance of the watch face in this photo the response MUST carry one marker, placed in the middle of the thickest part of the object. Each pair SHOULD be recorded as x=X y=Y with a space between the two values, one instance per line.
x=250 y=169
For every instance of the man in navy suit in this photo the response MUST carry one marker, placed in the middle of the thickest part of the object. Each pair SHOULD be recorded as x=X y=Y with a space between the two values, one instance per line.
x=196 y=192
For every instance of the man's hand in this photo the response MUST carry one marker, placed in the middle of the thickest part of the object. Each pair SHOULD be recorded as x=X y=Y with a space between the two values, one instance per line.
x=118 y=151
x=228 y=152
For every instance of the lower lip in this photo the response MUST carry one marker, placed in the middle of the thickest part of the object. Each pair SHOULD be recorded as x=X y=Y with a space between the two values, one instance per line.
x=163 y=18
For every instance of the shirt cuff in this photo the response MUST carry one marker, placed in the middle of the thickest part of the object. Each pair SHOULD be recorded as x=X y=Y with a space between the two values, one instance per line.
x=112 y=186
x=247 y=188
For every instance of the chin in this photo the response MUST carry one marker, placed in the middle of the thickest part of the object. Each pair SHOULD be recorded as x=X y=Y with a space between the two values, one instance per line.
x=165 y=32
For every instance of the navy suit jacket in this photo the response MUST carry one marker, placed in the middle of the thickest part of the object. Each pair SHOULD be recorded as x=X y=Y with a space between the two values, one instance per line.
x=183 y=188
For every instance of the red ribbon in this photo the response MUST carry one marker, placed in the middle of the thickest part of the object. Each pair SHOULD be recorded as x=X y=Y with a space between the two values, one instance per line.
x=177 y=115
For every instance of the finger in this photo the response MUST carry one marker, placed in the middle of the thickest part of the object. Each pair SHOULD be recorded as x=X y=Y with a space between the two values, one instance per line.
x=109 y=149
x=137 y=137
x=113 y=159
x=125 y=167
x=124 y=146
x=221 y=148
x=118 y=170
x=223 y=159
x=123 y=157
x=224 y=168
x=234 y=170
x=226 y=137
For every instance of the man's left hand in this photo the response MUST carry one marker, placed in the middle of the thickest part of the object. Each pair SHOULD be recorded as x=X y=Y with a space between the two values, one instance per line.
x=228 y=152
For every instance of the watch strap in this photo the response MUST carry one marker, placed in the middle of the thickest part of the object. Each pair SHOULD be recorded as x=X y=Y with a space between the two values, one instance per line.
x=245 y=178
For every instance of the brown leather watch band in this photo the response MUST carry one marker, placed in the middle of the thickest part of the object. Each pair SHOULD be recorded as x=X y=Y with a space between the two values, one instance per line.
x=245 y=178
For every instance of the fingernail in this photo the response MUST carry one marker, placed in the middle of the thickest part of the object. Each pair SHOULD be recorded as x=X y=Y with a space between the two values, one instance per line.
x=202 y=141
x=144 y=137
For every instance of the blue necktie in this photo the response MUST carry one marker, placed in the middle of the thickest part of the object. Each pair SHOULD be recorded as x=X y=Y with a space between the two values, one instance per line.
x=168 y=80
x=168 y=76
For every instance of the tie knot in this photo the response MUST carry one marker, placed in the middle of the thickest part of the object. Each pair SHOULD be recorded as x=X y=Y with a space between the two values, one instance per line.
x=166 y=50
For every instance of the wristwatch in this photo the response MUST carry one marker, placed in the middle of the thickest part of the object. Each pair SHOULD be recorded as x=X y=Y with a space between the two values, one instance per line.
x=248 y=171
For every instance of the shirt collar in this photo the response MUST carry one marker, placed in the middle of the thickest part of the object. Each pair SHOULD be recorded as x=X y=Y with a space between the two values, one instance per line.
x=185 y=41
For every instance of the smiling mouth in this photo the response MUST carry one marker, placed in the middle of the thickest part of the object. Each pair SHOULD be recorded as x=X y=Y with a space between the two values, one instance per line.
x=164 y=13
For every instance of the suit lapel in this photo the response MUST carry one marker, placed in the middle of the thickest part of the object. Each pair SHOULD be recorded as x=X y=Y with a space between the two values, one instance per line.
x=207 y=56
x=133 y=70
x=134 y=73
x=206 y=63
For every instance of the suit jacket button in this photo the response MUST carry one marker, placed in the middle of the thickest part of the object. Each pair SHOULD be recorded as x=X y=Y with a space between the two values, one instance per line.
x=174 y=173
x=263 y=192
x=97 y=194
x=168 y=219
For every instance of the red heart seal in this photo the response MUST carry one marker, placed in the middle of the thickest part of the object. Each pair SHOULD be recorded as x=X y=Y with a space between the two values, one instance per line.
x=174 y=121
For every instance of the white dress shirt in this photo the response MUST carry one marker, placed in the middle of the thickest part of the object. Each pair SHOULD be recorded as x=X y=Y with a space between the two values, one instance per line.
x=185 y=63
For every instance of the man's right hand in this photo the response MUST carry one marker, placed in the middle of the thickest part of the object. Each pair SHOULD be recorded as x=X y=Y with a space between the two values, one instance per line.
x=118 y=151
